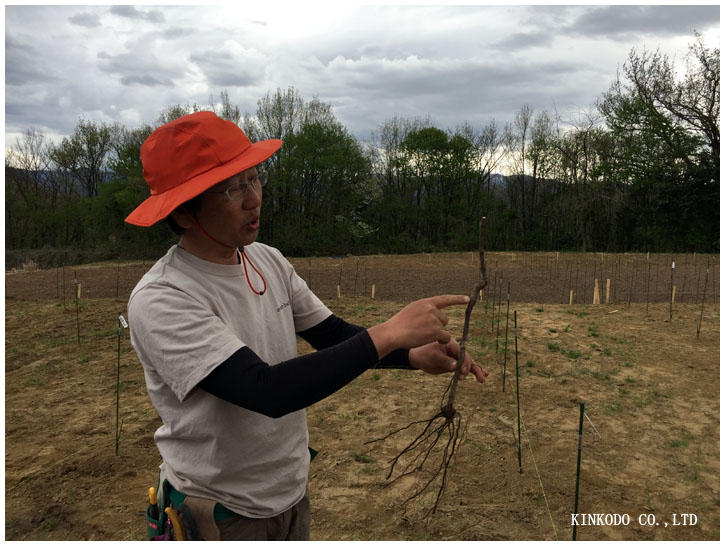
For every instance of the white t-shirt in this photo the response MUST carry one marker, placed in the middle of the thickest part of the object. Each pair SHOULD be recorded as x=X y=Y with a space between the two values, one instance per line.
x=187 y=316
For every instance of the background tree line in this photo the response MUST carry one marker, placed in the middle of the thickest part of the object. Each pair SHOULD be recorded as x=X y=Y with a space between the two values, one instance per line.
x=638 y=172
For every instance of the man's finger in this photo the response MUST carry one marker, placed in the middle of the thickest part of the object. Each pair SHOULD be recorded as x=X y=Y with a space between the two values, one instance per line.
x=449 y=299
x=479 y=372
x=443 y=337
x=441 y=316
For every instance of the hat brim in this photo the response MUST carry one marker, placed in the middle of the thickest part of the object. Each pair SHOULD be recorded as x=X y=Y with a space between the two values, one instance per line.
x=159 y=206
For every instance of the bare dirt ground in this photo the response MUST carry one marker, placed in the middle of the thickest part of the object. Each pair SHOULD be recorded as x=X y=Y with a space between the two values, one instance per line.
x=650 y=387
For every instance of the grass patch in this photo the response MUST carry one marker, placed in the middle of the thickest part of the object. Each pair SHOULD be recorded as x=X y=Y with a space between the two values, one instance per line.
x=553 y=347
x=682 y=441
x=572 y=354
x=361 y=458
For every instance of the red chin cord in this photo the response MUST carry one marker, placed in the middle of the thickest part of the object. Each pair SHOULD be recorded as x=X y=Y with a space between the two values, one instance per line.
x=243 y=259
x=246 y=259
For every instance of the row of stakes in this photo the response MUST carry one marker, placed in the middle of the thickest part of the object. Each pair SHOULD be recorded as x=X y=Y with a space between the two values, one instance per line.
x=582 y=414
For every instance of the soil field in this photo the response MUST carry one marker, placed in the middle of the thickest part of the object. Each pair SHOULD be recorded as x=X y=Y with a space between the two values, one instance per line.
x=650 y=447
x=538 y=277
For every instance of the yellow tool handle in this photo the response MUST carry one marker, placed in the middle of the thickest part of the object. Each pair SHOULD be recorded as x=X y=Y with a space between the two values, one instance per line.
x=176 y=523
x=152 y=495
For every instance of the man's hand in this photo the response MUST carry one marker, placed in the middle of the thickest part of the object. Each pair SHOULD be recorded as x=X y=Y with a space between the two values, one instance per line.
x=436 y=358
x=417 y=324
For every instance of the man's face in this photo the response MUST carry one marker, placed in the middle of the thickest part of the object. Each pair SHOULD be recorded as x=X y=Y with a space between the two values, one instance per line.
x=230 y=210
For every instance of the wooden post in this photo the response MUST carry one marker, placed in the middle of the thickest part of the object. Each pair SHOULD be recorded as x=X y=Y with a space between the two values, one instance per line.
x=338 y=291
x=372 y=294
x=702 y=306
x=606 y=299
x=571 y=297
x=357 y=268
x=674 y=291
x=595 y=299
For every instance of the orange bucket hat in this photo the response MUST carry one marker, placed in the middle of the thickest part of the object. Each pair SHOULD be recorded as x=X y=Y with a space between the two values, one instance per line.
x=187 y=156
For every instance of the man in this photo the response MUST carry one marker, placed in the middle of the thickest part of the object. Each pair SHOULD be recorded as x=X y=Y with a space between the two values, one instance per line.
x=214 y=324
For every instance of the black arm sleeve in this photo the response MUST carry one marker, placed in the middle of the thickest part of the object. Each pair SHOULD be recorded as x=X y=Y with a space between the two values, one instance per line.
x=334 y=330
x=245 y=380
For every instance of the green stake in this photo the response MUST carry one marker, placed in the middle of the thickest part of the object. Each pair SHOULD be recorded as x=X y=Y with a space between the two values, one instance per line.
x=506 y=341
x=518 y=405
x=121 y=323
x=78 y=317
x=578 y=466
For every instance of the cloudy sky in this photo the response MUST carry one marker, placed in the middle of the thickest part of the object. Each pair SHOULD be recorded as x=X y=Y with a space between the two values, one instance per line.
x=454 y=64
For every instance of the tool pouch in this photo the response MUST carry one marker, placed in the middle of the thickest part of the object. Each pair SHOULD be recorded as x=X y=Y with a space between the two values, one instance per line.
x=157 y=526
x=198 y=516
x=154 y=526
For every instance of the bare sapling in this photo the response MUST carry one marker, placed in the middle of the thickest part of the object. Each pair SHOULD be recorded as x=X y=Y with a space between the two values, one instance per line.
x=445 y=429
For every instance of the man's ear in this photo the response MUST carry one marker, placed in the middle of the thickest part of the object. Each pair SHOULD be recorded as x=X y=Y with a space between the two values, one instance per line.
x=181 y=217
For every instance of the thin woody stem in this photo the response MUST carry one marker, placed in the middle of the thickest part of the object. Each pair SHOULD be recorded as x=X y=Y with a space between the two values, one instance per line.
x=480 y=285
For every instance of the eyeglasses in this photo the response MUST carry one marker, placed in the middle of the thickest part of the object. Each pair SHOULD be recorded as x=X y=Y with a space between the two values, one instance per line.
x=236 y=191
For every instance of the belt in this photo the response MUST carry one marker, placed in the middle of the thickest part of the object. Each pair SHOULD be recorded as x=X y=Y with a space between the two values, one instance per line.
x=221 y=512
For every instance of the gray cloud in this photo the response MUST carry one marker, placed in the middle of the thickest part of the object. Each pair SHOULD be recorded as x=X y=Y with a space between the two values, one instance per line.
x=134 y=69
x=449 y=91
x=130 y=12
x=148 y=80
x=613 y=21
x=370 y=63
x=178 y=32
x=524 y=40
x=89 y=20
x=229 y=68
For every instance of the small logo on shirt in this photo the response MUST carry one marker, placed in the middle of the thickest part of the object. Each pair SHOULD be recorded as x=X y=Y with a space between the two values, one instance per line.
x=285 y=304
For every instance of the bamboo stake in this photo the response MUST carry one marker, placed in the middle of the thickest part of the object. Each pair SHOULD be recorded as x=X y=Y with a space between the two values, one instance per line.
x=702 y=306
x=649 y=268
x=606 y=300
x=595 y=299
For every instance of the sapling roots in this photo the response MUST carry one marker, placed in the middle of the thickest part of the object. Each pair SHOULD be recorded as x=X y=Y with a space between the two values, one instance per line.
x=438 y=437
